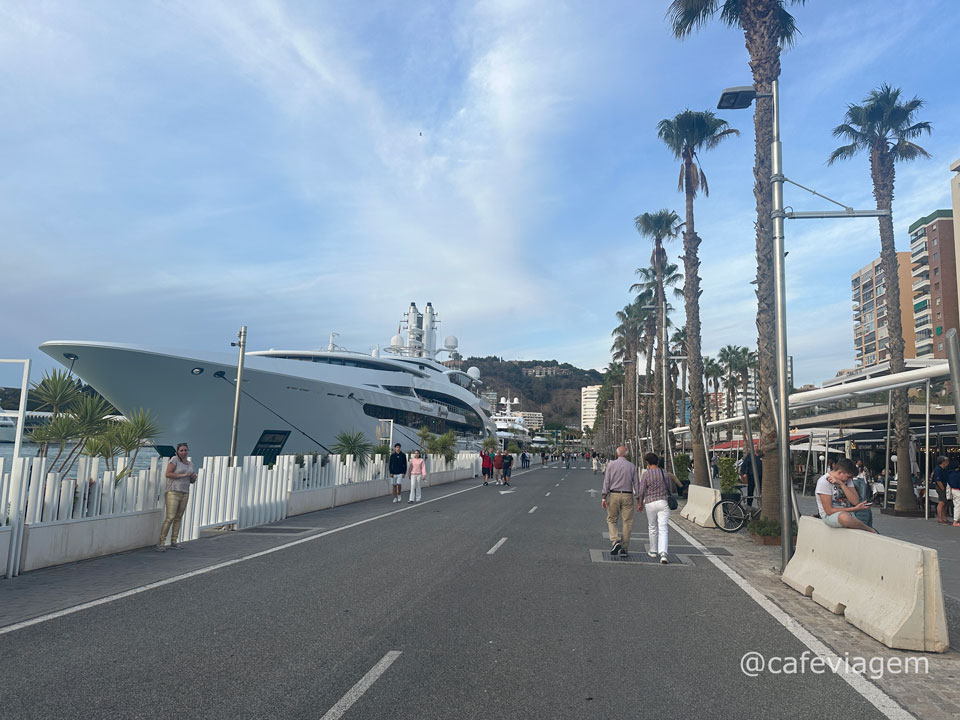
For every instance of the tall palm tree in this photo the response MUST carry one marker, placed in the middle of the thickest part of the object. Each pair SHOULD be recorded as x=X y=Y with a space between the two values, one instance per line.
x=678 y=343
x=659 y=226
x=686 y=134
x=712 y=372
x=626 y=345
x=767 y=28
x=885 y=128
x=647 y=287
x=731 y=359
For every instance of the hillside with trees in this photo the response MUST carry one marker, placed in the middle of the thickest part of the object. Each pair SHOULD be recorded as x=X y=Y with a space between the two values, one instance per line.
x=556 y=394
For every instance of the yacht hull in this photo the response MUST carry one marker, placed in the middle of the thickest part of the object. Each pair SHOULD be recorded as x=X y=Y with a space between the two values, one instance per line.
x=191 y=396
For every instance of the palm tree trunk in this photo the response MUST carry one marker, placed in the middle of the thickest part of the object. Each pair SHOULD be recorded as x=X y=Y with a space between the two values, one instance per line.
x=759 y=20
x=691 y=301
x=658 y=399
x=648 y=401
x=883 y=173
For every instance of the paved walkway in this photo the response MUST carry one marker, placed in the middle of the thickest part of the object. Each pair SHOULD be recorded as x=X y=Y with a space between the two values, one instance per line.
x=428 y=570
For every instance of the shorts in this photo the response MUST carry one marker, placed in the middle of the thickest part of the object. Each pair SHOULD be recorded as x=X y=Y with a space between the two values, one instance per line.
x=832 y=520
x=506 y=472
x=487 y=472
x=396 y=479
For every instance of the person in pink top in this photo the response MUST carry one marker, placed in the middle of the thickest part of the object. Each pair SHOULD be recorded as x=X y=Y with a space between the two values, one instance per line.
x=416 y=471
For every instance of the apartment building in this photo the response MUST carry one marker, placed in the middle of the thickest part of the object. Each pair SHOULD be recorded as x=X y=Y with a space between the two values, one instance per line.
x=589 y=396
x=934 y=282
x=533 y=421
x=870 y=333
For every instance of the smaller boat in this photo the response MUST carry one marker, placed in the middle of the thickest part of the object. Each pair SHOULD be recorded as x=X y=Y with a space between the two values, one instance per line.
x=8 y=429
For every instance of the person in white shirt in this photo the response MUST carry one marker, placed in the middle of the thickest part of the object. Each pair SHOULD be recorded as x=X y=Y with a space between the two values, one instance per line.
x=837 y=486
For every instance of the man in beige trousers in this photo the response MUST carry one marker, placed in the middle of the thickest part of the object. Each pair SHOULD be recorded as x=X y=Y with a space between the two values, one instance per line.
x=619 y=497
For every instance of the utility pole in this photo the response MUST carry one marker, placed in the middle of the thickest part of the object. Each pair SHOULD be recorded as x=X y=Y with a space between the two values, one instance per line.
x=242 y=344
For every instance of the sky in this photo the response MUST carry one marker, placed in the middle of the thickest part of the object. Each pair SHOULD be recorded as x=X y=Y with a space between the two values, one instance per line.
x=173 y=170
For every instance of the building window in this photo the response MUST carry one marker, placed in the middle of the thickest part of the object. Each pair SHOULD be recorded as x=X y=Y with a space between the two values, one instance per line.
x=936 y=257
x=939 y=346
x=934 y=241
x=938 y=301
x=936 y=271
x=936 y=286
x=939 y=317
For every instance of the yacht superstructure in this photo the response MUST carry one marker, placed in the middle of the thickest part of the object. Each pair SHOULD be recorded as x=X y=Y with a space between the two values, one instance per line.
x=510 y=425
x=293 y=401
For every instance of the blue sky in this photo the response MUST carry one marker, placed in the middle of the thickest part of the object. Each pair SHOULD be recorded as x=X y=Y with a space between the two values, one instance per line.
x=172 y=170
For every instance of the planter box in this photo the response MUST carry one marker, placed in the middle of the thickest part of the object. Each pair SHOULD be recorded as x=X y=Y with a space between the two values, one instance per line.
x=46 y=544
x=769 y=539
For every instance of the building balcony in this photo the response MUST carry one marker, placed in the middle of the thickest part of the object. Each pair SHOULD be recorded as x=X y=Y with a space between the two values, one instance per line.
x=920 y=265
x=922 y=282
x=922 y=322
x=921 y=304
x=918 y=247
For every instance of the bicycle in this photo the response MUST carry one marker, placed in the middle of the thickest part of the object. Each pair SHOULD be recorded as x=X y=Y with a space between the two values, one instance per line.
x=731 y=515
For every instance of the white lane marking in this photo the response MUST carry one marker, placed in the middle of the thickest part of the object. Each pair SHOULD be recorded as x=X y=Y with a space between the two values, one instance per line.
x=363 y=684
x=496 y=547
x=210 y=568
x=557 y=485
x=532 y=510
x=871 y=693
x=547 y=495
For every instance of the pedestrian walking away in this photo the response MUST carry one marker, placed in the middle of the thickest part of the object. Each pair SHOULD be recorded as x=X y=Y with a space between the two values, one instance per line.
x=417 y=470
x=180 y=474
x=621 y=486
x=486 y=465
x=596 y=464
x=953 y=489
x=398 y=468
x=507 y=468
x=655 y=489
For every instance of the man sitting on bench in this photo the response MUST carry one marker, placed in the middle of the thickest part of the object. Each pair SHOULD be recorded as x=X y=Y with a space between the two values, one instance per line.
x=837 y=486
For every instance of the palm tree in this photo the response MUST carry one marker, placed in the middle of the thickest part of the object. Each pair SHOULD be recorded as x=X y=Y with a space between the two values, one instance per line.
x=713 y=371
x=767 y=28
x=625 y=347
x=647 y=287
x=679 y=345
x=686 y=134
x=659 y=226
x=731 y=359
x=885 y=127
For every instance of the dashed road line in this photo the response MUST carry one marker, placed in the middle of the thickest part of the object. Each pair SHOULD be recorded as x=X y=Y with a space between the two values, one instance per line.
x=496 y=547
x=532 y=510
x=363 y=684
x=547 y=495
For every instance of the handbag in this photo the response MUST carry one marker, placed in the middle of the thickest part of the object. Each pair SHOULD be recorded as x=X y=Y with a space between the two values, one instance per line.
x=671 y=499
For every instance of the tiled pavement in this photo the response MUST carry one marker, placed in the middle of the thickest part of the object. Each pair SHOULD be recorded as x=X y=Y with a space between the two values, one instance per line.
x=934 y=695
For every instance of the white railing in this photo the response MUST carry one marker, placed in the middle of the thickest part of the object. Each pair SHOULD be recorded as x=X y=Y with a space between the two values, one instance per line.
x=239 y=497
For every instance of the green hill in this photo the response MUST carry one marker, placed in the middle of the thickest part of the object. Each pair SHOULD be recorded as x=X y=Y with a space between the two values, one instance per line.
x=556 y=394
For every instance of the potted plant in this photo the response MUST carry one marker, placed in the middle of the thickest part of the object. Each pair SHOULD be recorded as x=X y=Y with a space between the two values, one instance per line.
x=729 y=478
x=767 y=532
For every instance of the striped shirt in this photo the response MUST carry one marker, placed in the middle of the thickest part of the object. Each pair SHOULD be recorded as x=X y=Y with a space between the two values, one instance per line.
x=653 y=485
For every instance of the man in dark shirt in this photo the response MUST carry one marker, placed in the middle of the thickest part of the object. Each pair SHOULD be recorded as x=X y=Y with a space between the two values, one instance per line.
x=940 y=485
x=398 y=468
x=746 y=474
x=507 y=468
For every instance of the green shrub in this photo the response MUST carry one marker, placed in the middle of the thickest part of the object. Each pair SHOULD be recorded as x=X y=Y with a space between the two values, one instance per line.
x=729 y=477
x=681 y=464
x=445 y=445
x=353 y=443
x=767 y=528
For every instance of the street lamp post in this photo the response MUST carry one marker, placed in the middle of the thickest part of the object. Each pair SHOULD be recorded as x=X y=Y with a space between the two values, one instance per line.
x=242 y=345
x=739 y=98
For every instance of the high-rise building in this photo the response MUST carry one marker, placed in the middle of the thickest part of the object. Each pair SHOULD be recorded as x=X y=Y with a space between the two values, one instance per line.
x=753 y=384
x=533 y=421
x=935 y=298
x=870 y=334
x=589 y=396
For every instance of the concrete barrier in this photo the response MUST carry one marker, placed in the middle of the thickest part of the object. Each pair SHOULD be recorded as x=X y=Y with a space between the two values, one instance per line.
x=308 y=501
x=699 y=507
x=888 y=588
x=46 y=544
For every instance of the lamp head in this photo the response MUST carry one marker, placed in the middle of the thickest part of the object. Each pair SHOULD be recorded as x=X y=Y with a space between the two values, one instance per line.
x=737 y=98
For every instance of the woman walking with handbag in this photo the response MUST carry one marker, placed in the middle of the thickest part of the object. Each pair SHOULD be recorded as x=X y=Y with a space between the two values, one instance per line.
x=655 y=497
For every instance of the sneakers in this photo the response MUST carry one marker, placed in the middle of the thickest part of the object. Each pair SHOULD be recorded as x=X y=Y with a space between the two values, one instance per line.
x=652 y=554
x=956 y=524
x=485 y=484
x=176 y=546
x=663 y=559
x=409 y=502
x=160 y=548
x=616 y=550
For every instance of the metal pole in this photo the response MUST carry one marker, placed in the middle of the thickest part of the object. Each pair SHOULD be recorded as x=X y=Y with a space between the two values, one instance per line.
x=886 y=462
x=706 y=450
x=668 y=456
x=783 y=429
x=636 y=400
x=749 y=438
x=926 y=461
x=806 y=470
x=953 y=359
x=242 y=344
x=21 y=414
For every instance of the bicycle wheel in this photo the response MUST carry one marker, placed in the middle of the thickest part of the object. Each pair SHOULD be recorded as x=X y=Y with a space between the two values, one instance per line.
x=729 y=516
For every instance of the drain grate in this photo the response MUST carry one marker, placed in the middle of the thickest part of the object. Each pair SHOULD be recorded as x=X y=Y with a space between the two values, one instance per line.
x=267 y=530
x=640 y=558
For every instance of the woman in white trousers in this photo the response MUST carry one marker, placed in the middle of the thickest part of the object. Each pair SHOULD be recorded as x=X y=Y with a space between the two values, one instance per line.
x=416 y=469
x=654 y=488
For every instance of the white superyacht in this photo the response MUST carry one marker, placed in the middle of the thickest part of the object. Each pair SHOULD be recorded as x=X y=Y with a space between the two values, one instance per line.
x=293 y=401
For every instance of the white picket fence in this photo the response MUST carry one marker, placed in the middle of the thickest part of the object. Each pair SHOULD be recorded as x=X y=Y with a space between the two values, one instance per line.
x=237 y=497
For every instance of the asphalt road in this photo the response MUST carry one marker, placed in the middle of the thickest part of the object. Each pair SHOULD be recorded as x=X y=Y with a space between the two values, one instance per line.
x=535 y=630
